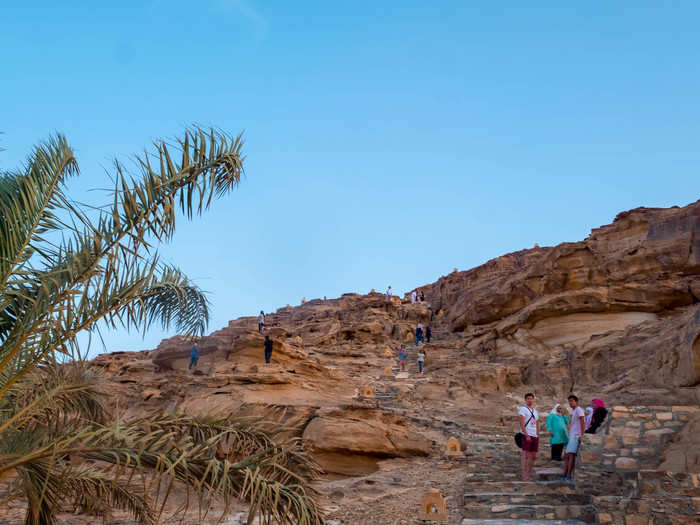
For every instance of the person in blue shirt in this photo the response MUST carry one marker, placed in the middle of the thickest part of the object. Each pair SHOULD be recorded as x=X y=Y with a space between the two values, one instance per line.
x=194 y=356
x=556 y=424
x=402 y=358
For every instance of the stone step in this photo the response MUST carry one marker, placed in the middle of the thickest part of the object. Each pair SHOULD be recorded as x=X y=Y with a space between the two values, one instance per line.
x=522 y=498
x=512 y=486
x=549 y=473
x=585 y=512
x=468 y=521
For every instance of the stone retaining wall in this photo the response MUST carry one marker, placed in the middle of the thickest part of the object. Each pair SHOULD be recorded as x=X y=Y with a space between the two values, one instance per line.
x=619 y=465
x=633 y=438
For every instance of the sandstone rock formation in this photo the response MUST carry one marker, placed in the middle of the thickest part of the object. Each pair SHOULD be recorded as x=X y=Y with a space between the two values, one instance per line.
x=616 y=316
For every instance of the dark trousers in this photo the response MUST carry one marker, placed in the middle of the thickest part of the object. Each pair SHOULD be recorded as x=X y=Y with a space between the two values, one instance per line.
x=193 y=362
x=557 y=450
x=268 y=355
x=260 y=326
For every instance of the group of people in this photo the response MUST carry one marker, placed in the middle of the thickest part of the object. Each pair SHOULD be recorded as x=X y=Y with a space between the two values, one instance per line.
x=423 y=335
x=403 y=355
x=565 y=427
x=415 y=297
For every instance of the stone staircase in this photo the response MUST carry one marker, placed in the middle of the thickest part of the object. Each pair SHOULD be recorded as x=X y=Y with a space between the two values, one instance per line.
x=493 y=492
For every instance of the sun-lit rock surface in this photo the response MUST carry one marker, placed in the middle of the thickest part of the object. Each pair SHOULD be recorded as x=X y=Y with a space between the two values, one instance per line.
x=616 y=316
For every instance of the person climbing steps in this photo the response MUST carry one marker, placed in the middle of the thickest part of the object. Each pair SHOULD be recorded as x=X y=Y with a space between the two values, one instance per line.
x=419 y=334
x=268 y=349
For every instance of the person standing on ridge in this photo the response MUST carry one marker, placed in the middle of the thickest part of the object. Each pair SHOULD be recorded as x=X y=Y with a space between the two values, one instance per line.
x=422 y=296
x=268 y=349
x=576 y=429
x=413 y=297
x=389 y=293
x=529 y=428
x=402 y=358
x=428 y=334
x=419 y=334
x=261 y=321
x=194 y=356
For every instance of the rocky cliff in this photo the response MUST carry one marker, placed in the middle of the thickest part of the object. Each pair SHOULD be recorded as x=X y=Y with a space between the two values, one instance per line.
x=616 y=315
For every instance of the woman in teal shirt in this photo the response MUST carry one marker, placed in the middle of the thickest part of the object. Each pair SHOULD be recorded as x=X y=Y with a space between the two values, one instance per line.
x=556 y=424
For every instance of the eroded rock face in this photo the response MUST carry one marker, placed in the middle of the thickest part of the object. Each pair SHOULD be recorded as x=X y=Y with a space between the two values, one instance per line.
x=614 y=316
x=344 y=440
x=648 y=260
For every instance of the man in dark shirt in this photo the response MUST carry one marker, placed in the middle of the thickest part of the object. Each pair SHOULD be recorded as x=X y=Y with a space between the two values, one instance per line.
x=268 y=349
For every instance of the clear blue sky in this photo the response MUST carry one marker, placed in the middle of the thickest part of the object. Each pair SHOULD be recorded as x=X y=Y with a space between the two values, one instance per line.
x=387 y=142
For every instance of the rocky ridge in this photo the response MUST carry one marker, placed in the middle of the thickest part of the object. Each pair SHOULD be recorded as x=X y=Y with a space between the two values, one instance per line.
x=616 y=315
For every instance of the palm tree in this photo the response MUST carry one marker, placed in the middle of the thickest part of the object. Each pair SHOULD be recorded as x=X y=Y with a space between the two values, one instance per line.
x=67 y=269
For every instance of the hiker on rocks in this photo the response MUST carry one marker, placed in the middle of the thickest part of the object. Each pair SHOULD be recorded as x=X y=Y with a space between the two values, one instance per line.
x=529 y=428
x=261 y=321
x=556 y=424
x=421 y=360
x=268 y=349
x=599 y=413
x=413 y=297
x=428 y=334
x=402 y=358
x=419 y=334
x=422 y=296
x=194 y=356
x=576 y=428
x=389 y=294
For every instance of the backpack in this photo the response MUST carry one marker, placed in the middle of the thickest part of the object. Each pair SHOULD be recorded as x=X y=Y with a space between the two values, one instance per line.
x=519 y=435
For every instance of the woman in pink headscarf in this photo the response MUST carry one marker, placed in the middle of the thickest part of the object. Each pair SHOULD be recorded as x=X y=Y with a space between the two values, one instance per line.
x=599 y=413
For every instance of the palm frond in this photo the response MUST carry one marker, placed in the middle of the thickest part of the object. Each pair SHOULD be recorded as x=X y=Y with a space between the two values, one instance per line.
x=93 y=490
x=36 y=303
x=28 y=201
x=53 y=398
x=273 y=491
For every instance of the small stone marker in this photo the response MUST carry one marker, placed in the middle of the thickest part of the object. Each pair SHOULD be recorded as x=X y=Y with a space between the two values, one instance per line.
x=389 y=352
x=453 y=448
x=388 y=372
x=433 y=507
x=367 y=392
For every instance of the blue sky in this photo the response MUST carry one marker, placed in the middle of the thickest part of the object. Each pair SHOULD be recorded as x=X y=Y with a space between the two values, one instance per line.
x=387 y=142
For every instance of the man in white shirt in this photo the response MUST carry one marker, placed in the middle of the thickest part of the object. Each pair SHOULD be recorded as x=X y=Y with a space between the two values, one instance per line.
x=529 y=427
x=576 y=428
x=389 y=293
x=413 y=297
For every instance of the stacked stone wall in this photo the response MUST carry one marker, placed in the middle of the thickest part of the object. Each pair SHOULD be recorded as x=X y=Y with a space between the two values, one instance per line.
x=619 y=466
x=633 y=438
